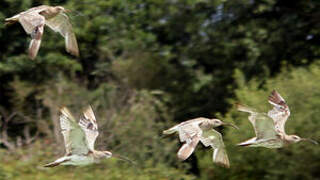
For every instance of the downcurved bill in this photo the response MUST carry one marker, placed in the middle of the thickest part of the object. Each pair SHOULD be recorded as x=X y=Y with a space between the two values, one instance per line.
x=123 y=158
x=67 y=11
x=230 y=124
x=310 y=140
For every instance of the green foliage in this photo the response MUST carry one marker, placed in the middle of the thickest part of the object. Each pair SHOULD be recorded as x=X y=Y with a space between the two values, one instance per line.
x=27 y=164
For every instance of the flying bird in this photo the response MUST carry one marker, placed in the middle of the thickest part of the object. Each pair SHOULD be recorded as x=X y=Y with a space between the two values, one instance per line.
x=79 y=139
x=201 y=129
x=270 y=127
x=33 y=21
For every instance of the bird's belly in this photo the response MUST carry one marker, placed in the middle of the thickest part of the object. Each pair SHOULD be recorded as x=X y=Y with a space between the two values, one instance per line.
x=77 y=160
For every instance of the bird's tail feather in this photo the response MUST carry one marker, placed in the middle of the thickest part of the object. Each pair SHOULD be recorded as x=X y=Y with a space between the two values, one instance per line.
x=248 y=142
x=169 y=131
x=53 y=164
x=12 y=20
x=57 y=162
x=244 y=144
x=245 y=108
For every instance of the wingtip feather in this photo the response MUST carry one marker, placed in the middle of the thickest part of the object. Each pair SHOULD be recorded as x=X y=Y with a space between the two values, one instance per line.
x=88 y=113
x=276 y=98
x=185 y=151
x=221 y=158
x=244 y=108
x=34 y=48
x=65 y=111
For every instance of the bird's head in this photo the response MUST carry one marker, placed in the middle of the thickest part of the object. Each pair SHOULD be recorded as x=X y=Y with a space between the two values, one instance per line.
x=218 y=122
x=295 y=139
x=61 y=9
x=107 y=154
x=215 y=122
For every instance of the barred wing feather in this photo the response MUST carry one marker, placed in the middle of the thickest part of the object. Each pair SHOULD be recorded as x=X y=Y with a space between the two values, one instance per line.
x=280 y=111
x=74 y=136
x=89 y=125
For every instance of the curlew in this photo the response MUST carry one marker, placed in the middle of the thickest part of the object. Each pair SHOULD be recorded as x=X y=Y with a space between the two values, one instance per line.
x=270 y=127
x=79 y=139
x=33 y=21
x=201 y=129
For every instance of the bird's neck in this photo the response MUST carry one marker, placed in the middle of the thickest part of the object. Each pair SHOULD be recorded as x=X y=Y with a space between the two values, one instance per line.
x=50 y=13
x=206 y=125
x=98 y=154
x=287 y=139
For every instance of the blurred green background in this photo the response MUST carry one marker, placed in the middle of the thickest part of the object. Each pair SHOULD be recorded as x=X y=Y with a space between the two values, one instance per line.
x=146 y=65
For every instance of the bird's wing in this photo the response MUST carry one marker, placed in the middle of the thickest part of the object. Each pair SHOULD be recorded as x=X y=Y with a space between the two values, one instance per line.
x=214 y=139
x=33 y=23
x=280 y=111
x=188 y=130
x=187 y=149
x=190 y=133
x=264 y=127
x=74 y=136
x=89 y=125
x=262 y=124
x=31 y=20
x=35 y=42
x=60 y=23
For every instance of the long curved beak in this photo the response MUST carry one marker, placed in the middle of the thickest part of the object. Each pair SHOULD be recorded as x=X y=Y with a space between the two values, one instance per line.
x=67 y=10
x=230 y=124
x=310 y=140
x=123 y=158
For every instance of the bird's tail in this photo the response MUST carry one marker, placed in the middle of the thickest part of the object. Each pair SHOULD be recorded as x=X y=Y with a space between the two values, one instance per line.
x=12 y=20
x=170 y=131
x=248 y=142
x=57 y=162
x=244 y=144
x=245 y=108
x=53 y=164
